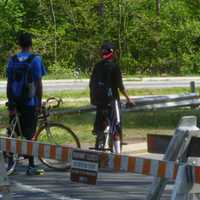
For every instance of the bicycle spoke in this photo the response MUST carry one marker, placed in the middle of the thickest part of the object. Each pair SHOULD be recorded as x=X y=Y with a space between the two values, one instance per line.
x=57 y=134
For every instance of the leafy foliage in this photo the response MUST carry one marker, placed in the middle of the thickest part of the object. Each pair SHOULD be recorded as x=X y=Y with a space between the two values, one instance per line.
x=68 y=34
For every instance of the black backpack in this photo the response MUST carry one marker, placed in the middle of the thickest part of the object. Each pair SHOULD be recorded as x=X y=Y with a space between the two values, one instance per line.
x=22 y=86
x=100 y=84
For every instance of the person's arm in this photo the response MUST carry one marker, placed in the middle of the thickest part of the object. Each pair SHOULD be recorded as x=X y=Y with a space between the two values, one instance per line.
x=124 y=92
x=8 y=90
x=8 y=74
x=121 y=86
x=39 y=91
x=39 y=72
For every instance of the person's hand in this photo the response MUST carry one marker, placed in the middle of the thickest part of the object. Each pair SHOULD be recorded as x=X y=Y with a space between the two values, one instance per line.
x=130 y=103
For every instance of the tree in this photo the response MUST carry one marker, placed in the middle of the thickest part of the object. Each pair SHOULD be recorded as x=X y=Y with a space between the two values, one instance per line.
x=158 y=7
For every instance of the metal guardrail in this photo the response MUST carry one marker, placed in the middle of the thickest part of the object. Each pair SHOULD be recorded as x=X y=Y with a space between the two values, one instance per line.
x=148 y=103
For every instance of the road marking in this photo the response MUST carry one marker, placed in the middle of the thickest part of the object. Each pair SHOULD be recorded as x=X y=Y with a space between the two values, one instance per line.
x=31 y=188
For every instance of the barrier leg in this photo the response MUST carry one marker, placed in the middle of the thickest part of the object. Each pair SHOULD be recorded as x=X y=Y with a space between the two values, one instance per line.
x=176 y=150
x=182 y=186
x=4 y=184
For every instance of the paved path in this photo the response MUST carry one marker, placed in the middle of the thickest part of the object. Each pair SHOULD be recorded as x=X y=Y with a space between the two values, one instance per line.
x=57 y=185
x=137 y=83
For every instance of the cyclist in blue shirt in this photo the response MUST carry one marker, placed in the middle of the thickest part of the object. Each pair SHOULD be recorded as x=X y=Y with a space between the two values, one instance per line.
x=32 y=70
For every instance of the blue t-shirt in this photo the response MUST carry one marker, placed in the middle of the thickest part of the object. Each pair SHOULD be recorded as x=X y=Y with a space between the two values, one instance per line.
x=38 y=70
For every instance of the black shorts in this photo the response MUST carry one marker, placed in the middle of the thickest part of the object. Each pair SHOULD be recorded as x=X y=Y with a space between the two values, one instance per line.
x=28 y=121
x=108 y=115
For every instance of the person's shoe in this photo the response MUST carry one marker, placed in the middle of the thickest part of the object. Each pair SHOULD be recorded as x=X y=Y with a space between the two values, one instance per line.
x=11 y=167
x=34 y=171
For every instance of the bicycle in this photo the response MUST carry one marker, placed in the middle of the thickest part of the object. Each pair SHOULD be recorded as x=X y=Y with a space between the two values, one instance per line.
x=48 y=132
x=105 y=139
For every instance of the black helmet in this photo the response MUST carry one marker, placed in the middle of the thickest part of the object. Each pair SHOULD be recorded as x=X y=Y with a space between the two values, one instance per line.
x=108 y=46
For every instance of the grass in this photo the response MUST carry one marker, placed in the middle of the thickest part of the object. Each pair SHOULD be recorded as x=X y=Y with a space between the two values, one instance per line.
x=131 y=92
x=135 y=124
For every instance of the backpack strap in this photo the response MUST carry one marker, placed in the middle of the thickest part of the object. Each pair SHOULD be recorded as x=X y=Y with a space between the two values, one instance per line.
x=28 y=60
x=15 y=58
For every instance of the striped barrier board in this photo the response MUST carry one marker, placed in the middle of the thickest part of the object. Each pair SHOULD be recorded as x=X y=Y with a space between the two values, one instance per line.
x=110 y=161
x=37 y=149
x=193 y=173
x=150 y=167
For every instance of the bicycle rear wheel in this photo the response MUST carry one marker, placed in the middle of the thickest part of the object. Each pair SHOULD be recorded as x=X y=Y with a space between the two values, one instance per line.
x=55 y=133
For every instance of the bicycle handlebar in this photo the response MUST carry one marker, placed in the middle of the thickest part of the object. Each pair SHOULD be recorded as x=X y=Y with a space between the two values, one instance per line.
x=53 y=102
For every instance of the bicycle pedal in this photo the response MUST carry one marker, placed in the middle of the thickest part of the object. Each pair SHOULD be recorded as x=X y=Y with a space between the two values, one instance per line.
x=107 y=149
x=92 y=148
x=40 y=174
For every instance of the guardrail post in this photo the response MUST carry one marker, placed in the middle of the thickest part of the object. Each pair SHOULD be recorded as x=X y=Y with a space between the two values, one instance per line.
x=192 y=87
x=4 y=184
x=176 y=151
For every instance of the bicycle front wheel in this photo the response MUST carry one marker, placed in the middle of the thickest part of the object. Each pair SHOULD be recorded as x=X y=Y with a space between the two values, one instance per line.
x=55 y=133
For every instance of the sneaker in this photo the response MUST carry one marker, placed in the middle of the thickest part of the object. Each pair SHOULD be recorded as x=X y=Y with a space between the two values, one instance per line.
x=34 y=171
x=11 y=167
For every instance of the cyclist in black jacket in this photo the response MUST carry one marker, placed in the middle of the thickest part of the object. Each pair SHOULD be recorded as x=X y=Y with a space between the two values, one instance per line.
x=105 y=84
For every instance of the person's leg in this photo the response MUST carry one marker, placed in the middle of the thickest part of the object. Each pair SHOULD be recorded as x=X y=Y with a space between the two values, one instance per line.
x=117 y=143
x=99 y=127
x=28 y=120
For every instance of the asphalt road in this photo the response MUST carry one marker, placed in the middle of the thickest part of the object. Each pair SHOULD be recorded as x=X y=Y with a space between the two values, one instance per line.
x=128 y=84
x=57 y=186
x=61 y=85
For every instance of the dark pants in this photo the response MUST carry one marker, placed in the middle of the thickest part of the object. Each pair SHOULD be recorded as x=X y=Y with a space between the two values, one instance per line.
x=28 y=123
x=106 y=115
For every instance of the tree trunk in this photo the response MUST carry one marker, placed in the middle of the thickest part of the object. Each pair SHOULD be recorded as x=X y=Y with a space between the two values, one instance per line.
x=101 y=8
x=158 y=7
x=119 y=28
x=55 y=31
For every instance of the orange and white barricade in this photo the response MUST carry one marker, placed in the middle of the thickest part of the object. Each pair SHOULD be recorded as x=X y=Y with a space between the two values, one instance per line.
x=86 y=163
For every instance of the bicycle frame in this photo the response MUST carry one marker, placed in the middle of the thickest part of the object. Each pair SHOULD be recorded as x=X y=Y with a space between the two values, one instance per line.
x=44 y=123
x=15 y=124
